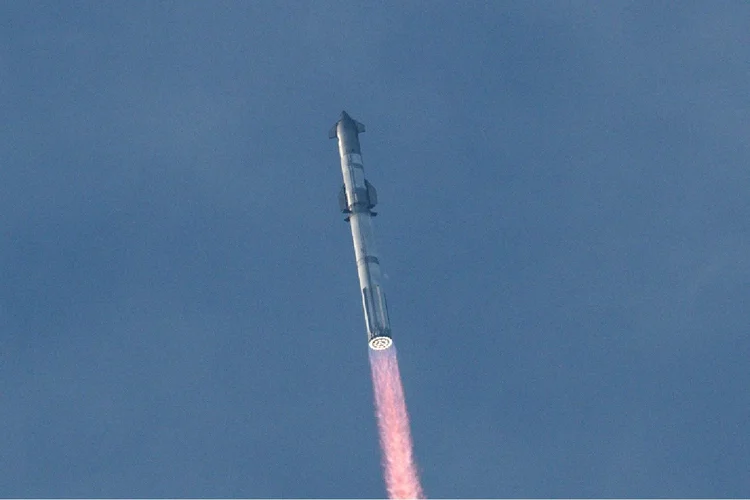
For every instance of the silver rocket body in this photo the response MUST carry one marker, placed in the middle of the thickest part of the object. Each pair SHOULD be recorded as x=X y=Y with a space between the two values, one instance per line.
x=357 y=199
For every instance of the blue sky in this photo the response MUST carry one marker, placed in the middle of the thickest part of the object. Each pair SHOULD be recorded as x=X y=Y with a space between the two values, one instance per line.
x=564 y=226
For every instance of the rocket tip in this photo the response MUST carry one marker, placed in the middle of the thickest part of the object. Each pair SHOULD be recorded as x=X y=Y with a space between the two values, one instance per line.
x=347 y=121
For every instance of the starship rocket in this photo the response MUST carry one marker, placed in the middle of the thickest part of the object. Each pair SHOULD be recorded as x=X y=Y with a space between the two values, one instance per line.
x=357 y=199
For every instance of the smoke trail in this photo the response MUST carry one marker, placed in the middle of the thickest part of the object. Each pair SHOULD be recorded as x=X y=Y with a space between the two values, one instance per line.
x=401 y=477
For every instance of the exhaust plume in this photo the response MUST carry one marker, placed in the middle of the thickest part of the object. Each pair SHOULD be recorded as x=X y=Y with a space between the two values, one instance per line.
x=400 y=470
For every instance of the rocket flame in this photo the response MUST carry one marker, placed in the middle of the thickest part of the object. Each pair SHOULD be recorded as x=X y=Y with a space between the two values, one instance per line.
x=401 y=477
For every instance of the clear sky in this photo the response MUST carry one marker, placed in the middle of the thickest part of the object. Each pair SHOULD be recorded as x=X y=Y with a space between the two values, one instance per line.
x=564 y=225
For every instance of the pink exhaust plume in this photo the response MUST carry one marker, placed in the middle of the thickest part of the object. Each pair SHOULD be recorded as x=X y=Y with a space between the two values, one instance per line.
x=401 y=477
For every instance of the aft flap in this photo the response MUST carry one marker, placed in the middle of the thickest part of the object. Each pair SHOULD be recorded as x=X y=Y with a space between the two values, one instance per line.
x=372 y=194
x=343 y=204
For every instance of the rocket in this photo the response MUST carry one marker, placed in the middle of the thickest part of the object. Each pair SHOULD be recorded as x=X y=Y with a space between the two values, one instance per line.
x=357 y=199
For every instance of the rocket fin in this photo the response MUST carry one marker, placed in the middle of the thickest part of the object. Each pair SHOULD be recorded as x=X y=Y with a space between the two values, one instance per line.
x=332 y=132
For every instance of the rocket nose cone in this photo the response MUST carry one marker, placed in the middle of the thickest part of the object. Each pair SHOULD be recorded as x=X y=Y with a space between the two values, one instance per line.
x=345 y=116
